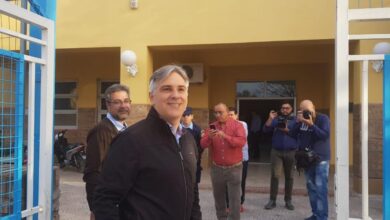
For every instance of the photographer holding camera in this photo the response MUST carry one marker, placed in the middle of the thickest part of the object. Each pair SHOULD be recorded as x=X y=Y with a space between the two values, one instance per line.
x=313 y=136
x=282 y=153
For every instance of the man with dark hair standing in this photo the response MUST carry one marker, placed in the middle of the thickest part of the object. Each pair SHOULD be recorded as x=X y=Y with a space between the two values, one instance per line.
x=118 y=101
x=225 y=139
x=188 y=123
x=283 y=151
x=313 y=132
x=149 y=173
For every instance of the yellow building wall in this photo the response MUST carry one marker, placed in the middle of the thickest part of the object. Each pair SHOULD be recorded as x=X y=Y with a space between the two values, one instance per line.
x=178 y=22
x=86 y=67
x=375 y=80
x=250 y=58
x=218 y=23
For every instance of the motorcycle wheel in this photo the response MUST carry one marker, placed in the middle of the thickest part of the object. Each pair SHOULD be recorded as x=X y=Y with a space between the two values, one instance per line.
x=79 y=163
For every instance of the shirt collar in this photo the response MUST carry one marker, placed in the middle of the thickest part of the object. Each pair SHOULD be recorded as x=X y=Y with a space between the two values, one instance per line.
x=190 y=126
x=178 y=132
x=118 y=125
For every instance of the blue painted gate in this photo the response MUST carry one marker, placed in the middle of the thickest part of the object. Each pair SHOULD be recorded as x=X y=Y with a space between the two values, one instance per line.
x=11 y=133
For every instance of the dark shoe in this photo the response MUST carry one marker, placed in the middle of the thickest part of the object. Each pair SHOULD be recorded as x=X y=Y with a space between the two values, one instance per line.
x=289 y=205
x=311 y=218
x=270 y=205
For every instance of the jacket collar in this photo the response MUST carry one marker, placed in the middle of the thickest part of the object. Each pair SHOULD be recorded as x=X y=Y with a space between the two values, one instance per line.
x=154 y=117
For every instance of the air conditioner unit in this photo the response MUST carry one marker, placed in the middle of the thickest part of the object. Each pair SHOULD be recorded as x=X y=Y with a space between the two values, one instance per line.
x=194 y=71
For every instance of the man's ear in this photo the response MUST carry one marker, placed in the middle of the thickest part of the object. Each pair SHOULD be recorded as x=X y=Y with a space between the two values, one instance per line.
x=150 y=96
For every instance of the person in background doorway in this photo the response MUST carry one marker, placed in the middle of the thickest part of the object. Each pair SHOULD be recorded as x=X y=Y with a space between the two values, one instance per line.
x=225 y=139
x=118 y=101
x=313 y=132
x=254 y=136
x=188 y=123
x=150 y=171
x=283 y=151
x=245 y=157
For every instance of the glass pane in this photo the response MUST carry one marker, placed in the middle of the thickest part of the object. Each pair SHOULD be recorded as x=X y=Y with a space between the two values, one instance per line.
x=65 y=103
x=66 y=88
x=105 y=85
x=250 y=89
x=280 y=89
x=65 y=120
x=103 y=104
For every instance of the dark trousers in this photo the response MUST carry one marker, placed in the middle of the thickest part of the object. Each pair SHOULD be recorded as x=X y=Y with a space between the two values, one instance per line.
x=253 y=142
x=243 y=183
x=282 y=160
x=243 y=180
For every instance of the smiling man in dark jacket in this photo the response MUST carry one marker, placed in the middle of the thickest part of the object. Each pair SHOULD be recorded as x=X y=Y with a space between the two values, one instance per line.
x=149 y=172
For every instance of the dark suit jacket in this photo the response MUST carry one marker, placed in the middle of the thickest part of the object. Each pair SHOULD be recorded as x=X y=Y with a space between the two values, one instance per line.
x=147 y=175
x=196 y=132
x=98 y=142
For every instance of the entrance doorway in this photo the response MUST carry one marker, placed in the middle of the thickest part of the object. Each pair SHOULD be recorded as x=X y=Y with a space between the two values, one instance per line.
x=259 y=142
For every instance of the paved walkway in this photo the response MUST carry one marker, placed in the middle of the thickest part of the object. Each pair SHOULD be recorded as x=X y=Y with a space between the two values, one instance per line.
x=73 y=205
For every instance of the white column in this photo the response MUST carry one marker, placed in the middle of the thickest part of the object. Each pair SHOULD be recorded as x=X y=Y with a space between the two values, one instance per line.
x=341 y=113
x=30 y=139
x=364 y=139
x=46 y=125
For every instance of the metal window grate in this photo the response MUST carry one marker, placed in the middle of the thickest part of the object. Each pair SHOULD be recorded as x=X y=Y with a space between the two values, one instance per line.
x=11 y=133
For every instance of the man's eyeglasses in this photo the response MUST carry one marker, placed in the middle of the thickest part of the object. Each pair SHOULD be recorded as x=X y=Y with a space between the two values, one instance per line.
x=286 y=108
x=118 y=102
x=218 y=113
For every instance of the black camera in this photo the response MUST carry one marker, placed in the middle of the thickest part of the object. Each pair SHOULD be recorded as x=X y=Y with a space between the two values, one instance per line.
x=306 y=114
x=282 y=121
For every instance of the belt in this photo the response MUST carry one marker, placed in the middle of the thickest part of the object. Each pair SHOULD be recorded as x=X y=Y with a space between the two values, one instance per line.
x=228 y=166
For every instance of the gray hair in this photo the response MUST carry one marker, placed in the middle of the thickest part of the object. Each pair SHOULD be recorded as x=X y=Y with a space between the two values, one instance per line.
x=164 y=72
x=115 y=88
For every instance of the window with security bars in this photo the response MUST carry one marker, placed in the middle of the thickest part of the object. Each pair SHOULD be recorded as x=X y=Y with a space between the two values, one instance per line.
x=102 y=108
x=11 y=132
x=265 y=89
x=65 y=105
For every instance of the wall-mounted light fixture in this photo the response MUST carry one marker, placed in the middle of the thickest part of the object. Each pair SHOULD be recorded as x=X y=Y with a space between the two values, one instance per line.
x=380 y=48
x=129 y=59
x=133 y=4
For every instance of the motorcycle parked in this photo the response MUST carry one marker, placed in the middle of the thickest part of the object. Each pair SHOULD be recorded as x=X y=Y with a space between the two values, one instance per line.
x=69 y=154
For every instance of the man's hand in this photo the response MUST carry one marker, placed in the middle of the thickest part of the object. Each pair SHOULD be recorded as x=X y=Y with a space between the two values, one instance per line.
x=220 y=134
x=212 y=133
x=216 y=133
x=285 y=130
x=273 y=114
x=309 y=122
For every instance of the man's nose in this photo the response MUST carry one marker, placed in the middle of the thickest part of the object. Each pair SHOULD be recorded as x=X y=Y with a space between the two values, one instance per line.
x=175 y=93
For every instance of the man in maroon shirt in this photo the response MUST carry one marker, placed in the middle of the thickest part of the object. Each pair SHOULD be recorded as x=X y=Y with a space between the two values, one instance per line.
x=225 y=139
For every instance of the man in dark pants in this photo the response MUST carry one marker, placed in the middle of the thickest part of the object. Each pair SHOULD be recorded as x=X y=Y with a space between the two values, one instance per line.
x=150 y=171
x=118 y=101
x=188 y=123
x=282 y=154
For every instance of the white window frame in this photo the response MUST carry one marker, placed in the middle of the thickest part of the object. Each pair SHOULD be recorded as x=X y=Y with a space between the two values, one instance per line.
x=65 y=111
x=100 y=96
